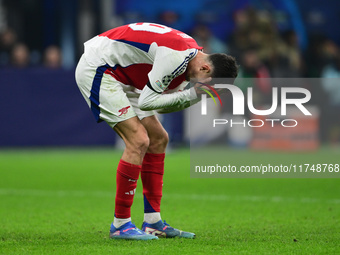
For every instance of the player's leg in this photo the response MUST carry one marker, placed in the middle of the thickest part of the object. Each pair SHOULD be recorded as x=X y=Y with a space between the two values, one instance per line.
x=129 y=167
x=152 y=179
x=136 y=140
x=153 y=168
x=108 y=101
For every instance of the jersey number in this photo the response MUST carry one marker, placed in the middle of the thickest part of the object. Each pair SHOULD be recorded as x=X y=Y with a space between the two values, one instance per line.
x=150 y=27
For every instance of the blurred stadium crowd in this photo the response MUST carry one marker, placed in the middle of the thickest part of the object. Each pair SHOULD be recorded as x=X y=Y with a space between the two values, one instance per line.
x=269 y=38
x=261 y=44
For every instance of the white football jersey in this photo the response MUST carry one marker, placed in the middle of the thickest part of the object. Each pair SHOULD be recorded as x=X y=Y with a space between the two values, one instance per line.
x=139 y=53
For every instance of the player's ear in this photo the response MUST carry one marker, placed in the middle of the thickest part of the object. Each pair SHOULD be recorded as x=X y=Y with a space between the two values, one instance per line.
x=206 y=68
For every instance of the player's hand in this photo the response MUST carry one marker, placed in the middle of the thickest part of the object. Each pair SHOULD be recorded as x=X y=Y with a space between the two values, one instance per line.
x=200 y=86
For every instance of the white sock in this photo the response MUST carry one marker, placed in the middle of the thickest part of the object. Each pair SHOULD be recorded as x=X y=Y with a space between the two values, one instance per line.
x=152 y=217
x=117 y=222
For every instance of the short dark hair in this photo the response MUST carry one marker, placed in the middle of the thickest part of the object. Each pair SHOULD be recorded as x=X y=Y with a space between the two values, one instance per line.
x=224 y=66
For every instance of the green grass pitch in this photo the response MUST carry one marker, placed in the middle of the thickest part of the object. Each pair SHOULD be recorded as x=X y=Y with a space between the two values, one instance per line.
x=60 y=201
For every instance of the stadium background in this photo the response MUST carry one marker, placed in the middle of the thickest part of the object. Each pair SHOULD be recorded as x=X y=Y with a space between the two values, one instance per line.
x=41 y=42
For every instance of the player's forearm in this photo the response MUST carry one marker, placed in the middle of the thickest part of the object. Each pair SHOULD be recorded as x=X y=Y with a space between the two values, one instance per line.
x=150 y=100
x=177 y=108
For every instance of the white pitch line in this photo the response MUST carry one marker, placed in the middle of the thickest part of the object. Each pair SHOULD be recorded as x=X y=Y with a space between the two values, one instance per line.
x=199 y=197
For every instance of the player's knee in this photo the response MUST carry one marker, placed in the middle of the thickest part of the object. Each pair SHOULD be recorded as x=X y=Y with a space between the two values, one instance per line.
x=143 y=143
x=159 y=141
x=165 y=139
x=139 y=144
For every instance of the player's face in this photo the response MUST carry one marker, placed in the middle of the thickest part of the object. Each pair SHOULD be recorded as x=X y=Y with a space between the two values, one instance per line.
x=199 y=68
x=197 y=75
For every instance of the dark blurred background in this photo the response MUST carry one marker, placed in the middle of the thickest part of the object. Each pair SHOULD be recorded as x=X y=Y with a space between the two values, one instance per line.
x=41 y=41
